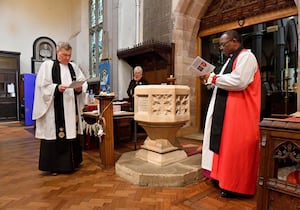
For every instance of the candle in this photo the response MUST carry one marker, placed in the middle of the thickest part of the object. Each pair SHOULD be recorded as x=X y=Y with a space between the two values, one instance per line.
x=286 y=66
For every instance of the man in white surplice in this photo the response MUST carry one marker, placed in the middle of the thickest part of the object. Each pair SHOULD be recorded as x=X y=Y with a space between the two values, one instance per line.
x=57 y=110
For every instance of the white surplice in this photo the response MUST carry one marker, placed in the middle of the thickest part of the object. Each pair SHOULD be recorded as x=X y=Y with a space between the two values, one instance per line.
x=207 y=154
x=43 y=108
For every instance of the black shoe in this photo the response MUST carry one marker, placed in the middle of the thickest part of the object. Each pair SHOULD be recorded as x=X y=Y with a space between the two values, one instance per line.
x=215 y=183
x=227 y=194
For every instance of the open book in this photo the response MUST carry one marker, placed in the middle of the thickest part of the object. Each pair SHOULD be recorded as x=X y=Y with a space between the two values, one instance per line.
x=201 y=66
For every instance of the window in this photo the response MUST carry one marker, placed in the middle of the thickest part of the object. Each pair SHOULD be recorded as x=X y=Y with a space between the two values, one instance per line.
x=96 y=31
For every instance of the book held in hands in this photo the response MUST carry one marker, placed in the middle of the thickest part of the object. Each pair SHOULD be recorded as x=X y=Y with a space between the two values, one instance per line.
x=201 y=66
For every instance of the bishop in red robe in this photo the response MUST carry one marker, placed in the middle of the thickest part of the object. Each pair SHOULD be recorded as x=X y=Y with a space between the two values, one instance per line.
x=230 y=152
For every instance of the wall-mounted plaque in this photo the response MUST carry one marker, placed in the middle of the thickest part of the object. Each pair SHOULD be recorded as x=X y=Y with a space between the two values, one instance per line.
x=43 y=49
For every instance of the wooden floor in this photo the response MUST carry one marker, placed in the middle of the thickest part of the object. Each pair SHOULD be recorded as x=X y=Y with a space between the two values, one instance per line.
x=23 y=186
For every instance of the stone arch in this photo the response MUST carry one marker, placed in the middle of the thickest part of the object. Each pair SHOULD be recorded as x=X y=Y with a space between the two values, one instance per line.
x=186 y=24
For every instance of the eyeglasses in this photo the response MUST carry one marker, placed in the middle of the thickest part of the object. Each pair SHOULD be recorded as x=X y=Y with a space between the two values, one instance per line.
x=222 y=45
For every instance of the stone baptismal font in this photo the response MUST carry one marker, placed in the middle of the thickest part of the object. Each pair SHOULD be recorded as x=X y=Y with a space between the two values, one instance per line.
x=161 y=110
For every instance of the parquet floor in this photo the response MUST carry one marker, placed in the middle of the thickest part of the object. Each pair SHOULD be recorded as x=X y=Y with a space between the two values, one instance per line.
x=23 y=186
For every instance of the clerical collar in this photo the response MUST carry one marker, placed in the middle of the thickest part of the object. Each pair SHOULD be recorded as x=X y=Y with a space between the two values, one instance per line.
x=236 y=52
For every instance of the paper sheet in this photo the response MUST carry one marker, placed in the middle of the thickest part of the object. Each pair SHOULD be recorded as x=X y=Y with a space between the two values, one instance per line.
x=201 y=66
x=11 y=88
x=76 y=84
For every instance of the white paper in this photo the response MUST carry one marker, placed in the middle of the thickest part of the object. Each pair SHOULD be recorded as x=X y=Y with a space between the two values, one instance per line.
x=11 y=88
x=201 y=66
x=76 y=84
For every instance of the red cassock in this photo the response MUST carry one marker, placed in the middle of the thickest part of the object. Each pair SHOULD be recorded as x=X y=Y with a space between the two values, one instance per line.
x=236 y=165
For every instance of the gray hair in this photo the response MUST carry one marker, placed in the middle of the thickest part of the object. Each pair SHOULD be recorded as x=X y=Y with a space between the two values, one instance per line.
x=138 y=69
x=63 y=45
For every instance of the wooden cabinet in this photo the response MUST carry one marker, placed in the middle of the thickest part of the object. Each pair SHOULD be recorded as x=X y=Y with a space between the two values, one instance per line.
x=123 y=129
x=9 y=85
x=279 y=164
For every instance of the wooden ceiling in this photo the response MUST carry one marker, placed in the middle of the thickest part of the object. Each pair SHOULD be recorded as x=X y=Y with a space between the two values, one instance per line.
x=225 y=11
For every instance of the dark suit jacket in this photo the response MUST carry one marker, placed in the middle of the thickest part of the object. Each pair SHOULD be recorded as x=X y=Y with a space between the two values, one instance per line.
x=130 y=90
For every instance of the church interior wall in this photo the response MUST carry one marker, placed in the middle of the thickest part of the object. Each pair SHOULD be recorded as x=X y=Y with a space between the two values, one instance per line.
x=127 y=37
x=186 y=22
x=79 y=37
x=23 y=22
x=175 y=21
x=154 y=24
x=157 y=20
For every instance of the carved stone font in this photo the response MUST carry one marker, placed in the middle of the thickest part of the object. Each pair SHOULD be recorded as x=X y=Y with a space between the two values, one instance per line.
x=161 y=110
x=162 y=103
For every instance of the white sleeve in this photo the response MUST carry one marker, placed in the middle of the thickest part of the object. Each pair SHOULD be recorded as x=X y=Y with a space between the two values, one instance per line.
x=44 y=90
x=243 y=74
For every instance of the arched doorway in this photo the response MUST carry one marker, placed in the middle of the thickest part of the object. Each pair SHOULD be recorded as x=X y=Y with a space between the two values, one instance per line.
x=189 y=31
x=276 y=49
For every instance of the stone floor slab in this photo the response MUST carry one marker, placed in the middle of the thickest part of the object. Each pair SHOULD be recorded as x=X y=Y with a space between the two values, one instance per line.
x=144 y=173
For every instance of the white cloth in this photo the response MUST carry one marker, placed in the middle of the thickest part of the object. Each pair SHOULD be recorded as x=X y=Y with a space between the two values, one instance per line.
x=43 y=107
x=207 y=154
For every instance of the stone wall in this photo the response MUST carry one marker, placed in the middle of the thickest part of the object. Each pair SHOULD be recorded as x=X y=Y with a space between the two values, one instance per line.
x=186 y=17
x=157 y=20
x=178 y=21
x=159 y=23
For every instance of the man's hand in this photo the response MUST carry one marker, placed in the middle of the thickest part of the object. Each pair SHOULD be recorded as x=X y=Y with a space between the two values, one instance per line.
x=204 y=78
x=78 y=89
x=62 y=88
x=208 y=79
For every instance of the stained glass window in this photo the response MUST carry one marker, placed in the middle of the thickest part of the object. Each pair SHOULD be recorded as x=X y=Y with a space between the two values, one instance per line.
x=92 y=13
x=100 y=11
x=96 y=31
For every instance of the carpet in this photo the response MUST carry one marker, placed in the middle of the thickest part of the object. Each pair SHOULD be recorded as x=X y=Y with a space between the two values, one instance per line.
x=195 y=136
x=192 y=149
